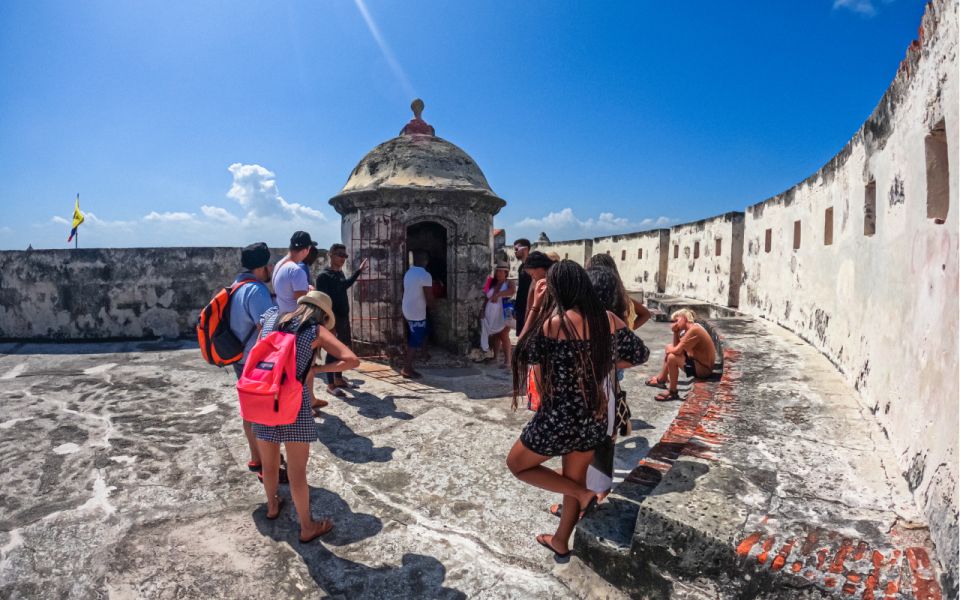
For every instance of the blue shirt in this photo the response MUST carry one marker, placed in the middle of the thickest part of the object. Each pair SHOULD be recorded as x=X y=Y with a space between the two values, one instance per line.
x=247 y=306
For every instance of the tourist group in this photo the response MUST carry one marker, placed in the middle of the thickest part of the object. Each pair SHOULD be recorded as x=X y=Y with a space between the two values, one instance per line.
x=575 y=331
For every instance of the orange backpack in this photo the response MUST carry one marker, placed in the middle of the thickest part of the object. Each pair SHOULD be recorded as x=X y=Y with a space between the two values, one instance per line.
x=218 y=344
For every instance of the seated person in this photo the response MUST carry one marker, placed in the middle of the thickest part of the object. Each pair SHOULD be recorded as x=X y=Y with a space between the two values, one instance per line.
x=692 y=349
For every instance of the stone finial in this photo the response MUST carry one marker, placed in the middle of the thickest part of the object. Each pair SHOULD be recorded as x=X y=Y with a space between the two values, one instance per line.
x=417 y=126
x=417 y=107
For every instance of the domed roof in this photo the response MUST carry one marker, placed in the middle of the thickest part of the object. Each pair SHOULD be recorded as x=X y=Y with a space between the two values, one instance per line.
x=417 y=161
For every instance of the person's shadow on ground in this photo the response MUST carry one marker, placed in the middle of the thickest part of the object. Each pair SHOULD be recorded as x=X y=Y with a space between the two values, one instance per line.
x=347 y=445
x=374 y=407
x=418 y=575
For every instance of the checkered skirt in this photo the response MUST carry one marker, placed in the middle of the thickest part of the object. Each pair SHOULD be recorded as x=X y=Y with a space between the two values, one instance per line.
x=304 y=429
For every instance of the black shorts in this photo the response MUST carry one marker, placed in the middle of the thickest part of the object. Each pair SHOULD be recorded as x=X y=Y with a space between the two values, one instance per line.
x=690 y=367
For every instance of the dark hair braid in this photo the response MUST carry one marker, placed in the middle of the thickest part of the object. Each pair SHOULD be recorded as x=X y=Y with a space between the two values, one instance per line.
x=610 y=290
x=569 y=288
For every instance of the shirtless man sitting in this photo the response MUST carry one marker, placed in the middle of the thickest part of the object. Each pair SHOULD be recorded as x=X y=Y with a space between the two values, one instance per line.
x=692 y=349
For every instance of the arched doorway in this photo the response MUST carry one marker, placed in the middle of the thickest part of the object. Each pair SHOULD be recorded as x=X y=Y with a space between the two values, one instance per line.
x=431 y=237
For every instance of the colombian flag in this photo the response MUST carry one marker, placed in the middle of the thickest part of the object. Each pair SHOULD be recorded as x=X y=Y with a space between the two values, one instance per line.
x=77 y=219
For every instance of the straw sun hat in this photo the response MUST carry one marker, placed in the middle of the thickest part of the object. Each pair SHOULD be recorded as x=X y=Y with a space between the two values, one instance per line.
x=323 y=302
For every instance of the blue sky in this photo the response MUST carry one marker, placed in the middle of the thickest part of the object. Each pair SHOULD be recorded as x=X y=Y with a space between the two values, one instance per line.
x=223 y=123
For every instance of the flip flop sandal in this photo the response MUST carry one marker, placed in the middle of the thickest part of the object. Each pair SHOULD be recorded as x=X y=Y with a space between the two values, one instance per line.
x=336 y=392
x=556 y=510
x=279 y=508
x=323 y=531
x=320 y=404
x=658 y=385
x=346 y=385
x=255 y=467
x=543 y=542
x=667 y=396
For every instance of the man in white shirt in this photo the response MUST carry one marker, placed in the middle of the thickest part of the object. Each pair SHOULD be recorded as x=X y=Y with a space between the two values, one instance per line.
x=290 y=281
x=417 y=294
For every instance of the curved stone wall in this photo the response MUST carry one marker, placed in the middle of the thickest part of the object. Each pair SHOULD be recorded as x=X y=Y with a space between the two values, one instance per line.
x=857 y=267
x=861 y=260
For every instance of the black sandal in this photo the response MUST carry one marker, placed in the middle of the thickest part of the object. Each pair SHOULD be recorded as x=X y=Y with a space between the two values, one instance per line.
x=667 y=396
x=540 y=540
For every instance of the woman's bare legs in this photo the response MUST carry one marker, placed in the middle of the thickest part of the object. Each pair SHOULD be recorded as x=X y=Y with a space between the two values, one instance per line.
x=252 y=442
x=270 y=459
x=505 y=344
x=575 y=469
x=527 y=466
x=297 y=455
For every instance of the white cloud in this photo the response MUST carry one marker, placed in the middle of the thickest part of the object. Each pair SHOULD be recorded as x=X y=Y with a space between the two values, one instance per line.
x=216 y=213
x=255 y=189
x=266 y=216
x=169 y=217
x=866 y=8
x=566 y=225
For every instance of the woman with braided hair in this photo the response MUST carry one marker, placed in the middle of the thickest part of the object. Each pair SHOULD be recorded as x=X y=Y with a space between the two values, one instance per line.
x=572 y=347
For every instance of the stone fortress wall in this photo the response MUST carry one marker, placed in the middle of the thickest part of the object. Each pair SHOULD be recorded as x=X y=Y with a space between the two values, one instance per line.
x=860 y=260
x=112 y=293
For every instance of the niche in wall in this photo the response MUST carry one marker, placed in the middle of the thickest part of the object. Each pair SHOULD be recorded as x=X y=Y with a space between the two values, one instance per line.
x=828 y=226
x=870 y=208
x=639 y=253
x=623 y=255
x=938 y=174
x=676 y=250
x=716 y=249
x=768 y=240
x=796 y=235
x=696 y=250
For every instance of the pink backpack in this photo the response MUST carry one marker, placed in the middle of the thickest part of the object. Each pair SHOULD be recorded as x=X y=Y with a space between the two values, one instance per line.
x=270 y=393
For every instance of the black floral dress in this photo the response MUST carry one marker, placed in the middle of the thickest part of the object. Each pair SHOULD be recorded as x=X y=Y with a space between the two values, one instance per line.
x=563 y=424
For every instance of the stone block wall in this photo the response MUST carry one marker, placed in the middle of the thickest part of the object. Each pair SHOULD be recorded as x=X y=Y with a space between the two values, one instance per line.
x=705 y=259
x=641 y=258
x=103 y=293
x=861 y=260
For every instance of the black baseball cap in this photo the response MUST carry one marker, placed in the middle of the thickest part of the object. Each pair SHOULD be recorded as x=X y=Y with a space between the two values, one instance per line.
x=300 y=240
x=255 y=256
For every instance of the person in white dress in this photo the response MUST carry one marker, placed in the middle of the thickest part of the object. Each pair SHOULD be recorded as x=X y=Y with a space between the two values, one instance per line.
x=493 y=321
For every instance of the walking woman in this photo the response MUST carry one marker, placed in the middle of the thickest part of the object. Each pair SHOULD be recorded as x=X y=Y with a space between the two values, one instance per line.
x=312 y=322
x=573 y=346
x=493 y=323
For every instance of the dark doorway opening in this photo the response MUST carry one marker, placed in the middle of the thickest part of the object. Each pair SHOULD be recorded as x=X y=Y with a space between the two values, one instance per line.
x=431 y=237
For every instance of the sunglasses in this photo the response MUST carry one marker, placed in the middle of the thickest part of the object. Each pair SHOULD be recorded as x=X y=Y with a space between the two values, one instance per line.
x=338 y=255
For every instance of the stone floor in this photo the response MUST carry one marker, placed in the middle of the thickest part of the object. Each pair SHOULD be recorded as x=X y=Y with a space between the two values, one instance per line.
x=124 y=476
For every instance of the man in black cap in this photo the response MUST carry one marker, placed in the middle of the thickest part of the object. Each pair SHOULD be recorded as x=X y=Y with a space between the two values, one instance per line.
x=289 y=280
x=335 y=284
x=247 y=305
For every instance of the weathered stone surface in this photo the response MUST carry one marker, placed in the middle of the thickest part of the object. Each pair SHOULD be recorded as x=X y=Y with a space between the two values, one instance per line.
x=770 y=482
x=109 y=293
x=124 y=475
